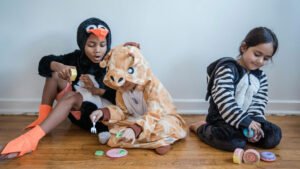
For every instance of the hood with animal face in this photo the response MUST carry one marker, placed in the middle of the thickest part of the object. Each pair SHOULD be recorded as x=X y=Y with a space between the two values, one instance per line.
x=95 y=26
x=85 y=29
x=125 y=63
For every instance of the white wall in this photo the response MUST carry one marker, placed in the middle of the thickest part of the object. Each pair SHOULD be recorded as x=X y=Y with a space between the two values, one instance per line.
x=178 y=37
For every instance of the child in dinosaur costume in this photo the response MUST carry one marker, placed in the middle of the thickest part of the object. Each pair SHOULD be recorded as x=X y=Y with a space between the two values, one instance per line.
x=145 y=116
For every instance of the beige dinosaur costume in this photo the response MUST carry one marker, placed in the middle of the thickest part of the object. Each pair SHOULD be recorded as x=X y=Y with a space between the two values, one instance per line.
x=148 y=109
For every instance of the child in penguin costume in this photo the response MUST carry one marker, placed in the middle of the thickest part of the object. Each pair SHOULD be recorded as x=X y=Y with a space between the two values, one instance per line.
x=76 y=98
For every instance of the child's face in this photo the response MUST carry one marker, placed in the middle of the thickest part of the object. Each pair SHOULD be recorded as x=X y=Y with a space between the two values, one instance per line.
x=95 y=48
x=256 y=56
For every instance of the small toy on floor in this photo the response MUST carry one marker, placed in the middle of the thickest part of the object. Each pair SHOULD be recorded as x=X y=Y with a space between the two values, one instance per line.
x=112 y=153
x=267 y=156
x=238 y=156
x=116 y=153
x=251 y=156
x=99 y=153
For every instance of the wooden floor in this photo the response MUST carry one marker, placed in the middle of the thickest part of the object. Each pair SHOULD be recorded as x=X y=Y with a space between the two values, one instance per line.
x=70 y=147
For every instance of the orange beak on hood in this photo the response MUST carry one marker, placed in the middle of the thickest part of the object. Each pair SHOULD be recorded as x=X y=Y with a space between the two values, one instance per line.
x=100 y=33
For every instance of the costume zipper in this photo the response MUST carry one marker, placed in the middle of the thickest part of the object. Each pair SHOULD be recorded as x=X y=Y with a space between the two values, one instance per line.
x=249 y=82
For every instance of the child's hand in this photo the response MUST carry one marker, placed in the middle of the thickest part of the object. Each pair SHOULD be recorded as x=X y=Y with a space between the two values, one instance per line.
x=88 y=83
x=96 y=115
x=65 y=72
x=257 y=128
x=128 y=135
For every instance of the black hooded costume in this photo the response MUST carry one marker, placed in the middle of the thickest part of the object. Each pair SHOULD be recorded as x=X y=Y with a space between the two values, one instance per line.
x=83 y=65
x=236 y=97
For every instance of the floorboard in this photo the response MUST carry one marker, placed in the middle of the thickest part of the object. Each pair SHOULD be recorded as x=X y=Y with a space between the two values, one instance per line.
x=70 y=147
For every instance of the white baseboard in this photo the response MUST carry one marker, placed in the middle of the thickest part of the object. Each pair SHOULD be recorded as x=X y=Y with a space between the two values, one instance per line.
x=200 y=106
x=184 y=106
x=19 y=106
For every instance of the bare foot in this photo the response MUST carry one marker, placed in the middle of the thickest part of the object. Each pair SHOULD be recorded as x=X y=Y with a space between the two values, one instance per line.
x=194 y=126
x=7 y=156
x=163 y=149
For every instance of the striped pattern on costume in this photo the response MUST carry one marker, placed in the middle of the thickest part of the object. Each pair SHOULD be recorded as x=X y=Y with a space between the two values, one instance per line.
x=235 y=103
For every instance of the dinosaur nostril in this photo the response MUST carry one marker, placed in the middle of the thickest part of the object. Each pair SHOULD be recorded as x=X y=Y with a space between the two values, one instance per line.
x=120 y=80
x=112 y=78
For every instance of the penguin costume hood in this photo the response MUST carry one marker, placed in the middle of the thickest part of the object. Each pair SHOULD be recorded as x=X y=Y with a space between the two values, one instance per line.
x=92 y=25
x=96 y=27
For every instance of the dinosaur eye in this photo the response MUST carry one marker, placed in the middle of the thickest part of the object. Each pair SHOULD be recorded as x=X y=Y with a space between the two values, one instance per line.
x=90 y=27
x=130 y=70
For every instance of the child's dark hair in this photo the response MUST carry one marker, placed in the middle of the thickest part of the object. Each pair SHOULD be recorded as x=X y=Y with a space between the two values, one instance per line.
x=260 y=35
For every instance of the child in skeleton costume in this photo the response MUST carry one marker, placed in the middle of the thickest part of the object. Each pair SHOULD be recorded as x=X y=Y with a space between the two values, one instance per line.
x=145 y=116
